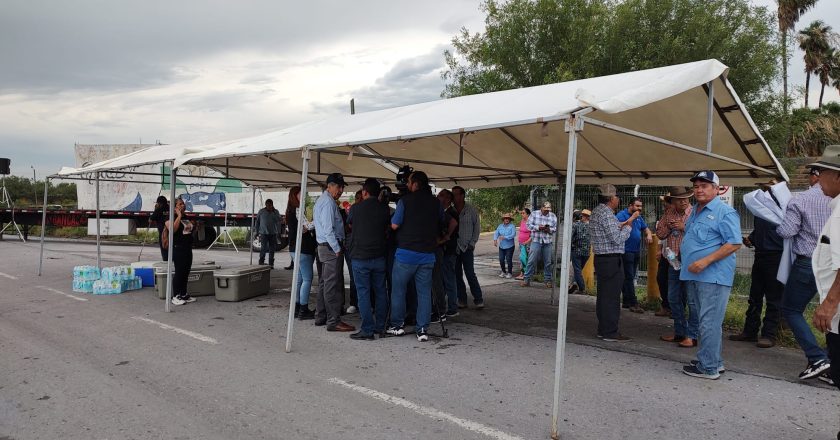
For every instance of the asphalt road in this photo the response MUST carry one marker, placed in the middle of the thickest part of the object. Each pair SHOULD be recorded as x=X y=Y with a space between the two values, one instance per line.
x=77 y=366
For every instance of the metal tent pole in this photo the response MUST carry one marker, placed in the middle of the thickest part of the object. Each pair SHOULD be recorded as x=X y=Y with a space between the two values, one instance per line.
x=43 y=225
x=298 y=233
x=171 y=237
x=573 y=125
x=98 y=232
x=710 y=115
x=253 y=220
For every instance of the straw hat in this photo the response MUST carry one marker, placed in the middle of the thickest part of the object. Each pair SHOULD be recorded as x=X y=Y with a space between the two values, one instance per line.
x=507 y=215
x=586 y=212
x=676 y=192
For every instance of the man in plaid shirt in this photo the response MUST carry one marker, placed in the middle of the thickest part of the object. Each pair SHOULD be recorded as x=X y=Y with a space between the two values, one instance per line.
x=608 y=237
x=543 y=226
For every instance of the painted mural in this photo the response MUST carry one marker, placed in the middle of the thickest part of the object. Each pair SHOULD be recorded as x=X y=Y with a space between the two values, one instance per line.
x=203 y=189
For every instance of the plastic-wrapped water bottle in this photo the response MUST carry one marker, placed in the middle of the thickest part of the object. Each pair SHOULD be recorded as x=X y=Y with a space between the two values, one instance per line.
x=672 y=258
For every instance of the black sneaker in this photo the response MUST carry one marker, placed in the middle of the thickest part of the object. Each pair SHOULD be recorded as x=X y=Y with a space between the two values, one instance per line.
x=693 y=371
x=362 y=336
x=305 y=314
x=422 y=336
x=187 y=298
x=452 y=314
x=826 y=378
x=395 y=331
x=695 y=362
x=814 y=369
x=437 y=318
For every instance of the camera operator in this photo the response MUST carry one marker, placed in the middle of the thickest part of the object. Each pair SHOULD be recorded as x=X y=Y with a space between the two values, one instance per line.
x=416 y=221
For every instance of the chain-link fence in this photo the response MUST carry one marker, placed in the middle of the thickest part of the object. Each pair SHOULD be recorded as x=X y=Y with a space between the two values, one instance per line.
x=586 y=197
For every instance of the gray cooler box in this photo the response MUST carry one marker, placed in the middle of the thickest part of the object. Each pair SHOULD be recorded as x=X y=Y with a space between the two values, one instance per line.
x=199 y=283
x=241 y=283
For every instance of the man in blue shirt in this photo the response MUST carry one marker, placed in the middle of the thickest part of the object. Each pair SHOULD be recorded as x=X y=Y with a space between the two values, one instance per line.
x=417 y=221
x=329 y=233
x=707 y=253
x=632 y=250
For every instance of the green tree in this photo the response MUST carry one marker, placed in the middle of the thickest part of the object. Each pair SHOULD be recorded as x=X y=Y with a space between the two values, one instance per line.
x=532 y=42
x=813 y=41
x=829 y=57
x=788 y=13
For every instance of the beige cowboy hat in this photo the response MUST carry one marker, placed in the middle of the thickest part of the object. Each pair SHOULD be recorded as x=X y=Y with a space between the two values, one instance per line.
x=676 y=192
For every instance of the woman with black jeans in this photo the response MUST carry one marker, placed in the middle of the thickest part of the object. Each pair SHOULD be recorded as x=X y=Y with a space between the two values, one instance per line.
x=181 y=238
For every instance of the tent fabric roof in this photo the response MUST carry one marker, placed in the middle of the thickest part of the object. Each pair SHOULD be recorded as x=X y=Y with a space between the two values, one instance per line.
x=643 y=127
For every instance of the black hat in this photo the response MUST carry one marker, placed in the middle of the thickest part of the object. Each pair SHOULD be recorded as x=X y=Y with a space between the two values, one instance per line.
x=336 y=178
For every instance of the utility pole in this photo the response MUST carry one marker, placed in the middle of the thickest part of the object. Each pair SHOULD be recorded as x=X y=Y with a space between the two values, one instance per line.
x=34 y=189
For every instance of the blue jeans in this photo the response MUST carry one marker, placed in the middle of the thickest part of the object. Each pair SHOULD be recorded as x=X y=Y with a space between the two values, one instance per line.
x=447 y=266
x=711 y=300
x=678 y=299
x=578 y=261
x=267 y=244
x=304 y=268
x=799 y=291
x=628 y=290
x=506 y=257
x=422 y=276
x=369 y=275
x=465 y=265
x=537 y=252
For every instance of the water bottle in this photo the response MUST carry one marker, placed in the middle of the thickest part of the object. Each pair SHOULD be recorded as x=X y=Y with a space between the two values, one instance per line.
x=672 y=258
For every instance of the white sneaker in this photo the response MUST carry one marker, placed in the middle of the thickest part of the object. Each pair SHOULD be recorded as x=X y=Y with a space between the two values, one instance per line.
x=351 y=309
x=178 y=301
x=508 y=276
x=188 y=299
x=501 y=274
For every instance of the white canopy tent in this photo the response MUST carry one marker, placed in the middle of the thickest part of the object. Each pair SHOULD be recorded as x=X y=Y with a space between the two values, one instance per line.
x=651 y=127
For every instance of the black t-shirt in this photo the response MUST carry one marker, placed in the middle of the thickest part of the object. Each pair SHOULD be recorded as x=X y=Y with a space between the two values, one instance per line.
x=370 y=221
x=451 y=246
x=183 y=236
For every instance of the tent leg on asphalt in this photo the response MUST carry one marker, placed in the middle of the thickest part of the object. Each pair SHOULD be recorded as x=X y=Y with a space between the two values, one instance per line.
x=171 y=238
x=573 y=125
x=253 y=221
x=43 y=225
x=98 y=226
x=298 y=233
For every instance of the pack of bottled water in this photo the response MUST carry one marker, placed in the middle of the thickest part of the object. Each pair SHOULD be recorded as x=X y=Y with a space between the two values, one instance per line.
x=105 y=287
x=84 y=277
x=135 y=283
x=118 y=273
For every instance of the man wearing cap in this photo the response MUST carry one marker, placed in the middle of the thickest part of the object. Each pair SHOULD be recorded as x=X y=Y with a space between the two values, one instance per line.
x=670 y=229
x=329 y=233
x=580 y=249
x=608 y=237
x=826 y=260
x=417 y=221
x=768 y=247
x=805 y=216
x=632 y=252
x=543 y=226
x=712 y=235
x=267 y=226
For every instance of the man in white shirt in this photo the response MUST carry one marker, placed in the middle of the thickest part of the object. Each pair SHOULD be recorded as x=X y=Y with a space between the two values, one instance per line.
x=826 y=261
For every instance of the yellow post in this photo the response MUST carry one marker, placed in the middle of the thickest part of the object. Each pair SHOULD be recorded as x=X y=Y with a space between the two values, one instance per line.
x=588 y=272
x=653 y=267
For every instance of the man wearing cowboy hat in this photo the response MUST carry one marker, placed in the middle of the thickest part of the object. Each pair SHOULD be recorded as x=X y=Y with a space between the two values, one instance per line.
x=671 y=229
x=712 y=235
x=768 y=247
x=826 y=260
x=543 y=226
x=805 y=216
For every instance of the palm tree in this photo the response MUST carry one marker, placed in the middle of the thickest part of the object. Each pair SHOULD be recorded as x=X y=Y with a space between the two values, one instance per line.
x=834 y=71
x=824 y=70
x=788 y=13
x=813 y=40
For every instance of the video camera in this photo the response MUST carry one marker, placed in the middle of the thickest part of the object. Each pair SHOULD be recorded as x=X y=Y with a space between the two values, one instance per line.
x=402 y=182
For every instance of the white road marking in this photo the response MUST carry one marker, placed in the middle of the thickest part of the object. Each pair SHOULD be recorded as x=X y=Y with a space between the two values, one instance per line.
x=50 y=289
x=5 y=275
x=427 y=411
x=193 y=335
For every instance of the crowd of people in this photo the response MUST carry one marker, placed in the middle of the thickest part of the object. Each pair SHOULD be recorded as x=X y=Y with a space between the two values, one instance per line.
x=408 y=264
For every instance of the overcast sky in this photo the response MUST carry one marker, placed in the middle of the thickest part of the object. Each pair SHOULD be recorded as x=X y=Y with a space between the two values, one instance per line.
x=120 y=72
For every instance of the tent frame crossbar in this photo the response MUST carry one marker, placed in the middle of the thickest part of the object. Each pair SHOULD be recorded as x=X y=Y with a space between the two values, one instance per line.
x=652 y=138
